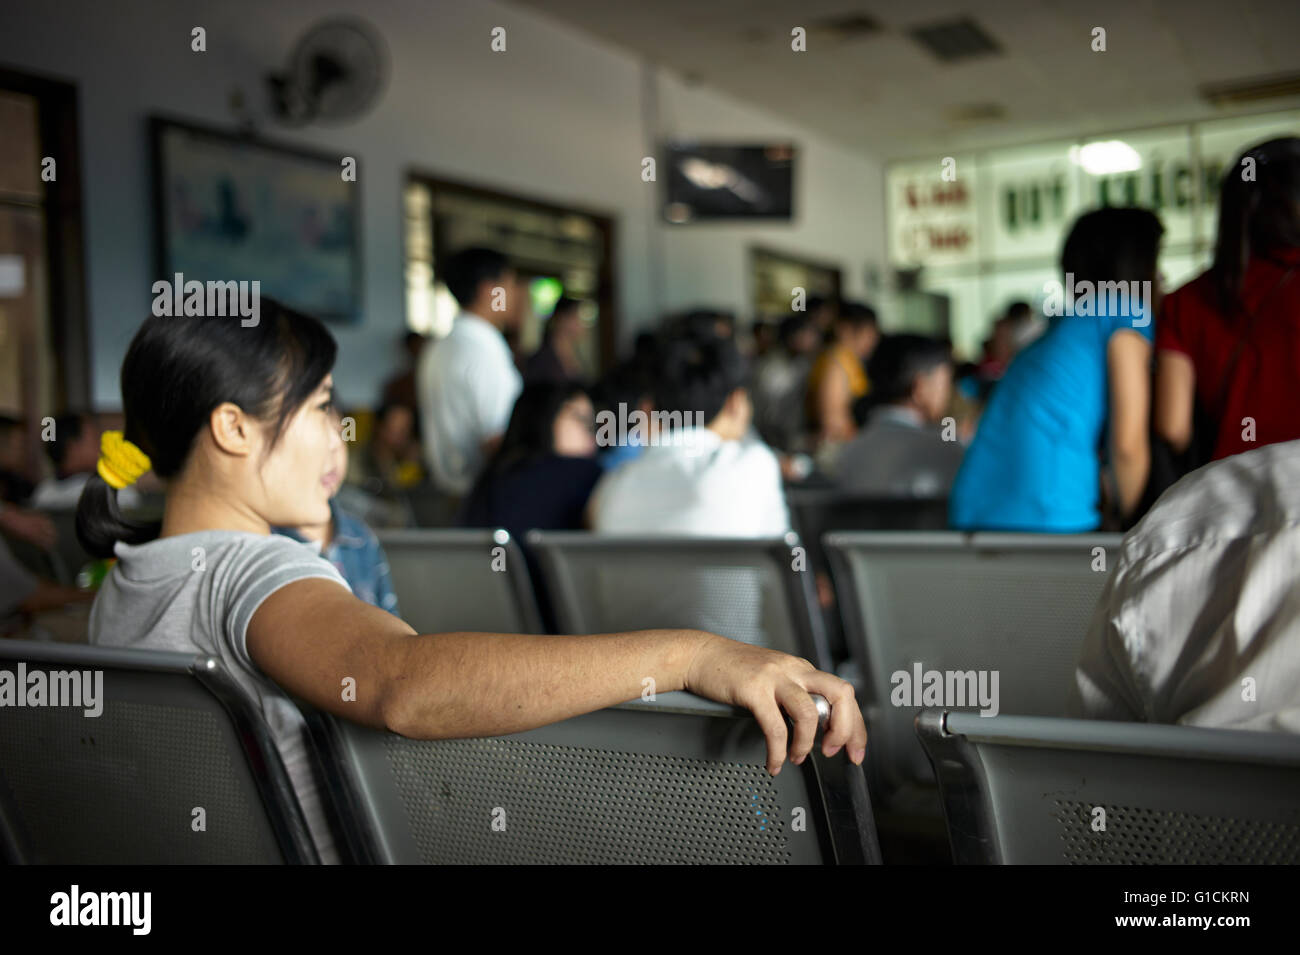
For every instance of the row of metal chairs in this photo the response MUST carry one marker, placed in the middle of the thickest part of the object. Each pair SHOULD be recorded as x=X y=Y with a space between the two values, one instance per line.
x=178 y=741
x=1015 y=603
x=813 y=510
x=1018 y=604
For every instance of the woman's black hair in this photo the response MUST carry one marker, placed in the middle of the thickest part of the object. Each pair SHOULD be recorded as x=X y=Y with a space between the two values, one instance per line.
x=698 y=375
x=563 y=305
x=530 y=434
x=177 y=370
x=1113 y=244
x=1257 y=215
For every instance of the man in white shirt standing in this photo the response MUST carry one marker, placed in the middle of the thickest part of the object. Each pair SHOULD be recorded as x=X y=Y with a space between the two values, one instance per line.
x=467 y=382
x=707 y=478
x=1199 y=623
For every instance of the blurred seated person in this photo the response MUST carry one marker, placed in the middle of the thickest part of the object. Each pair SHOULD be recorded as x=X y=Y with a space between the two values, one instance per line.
x=781 y=381
x=838 y=377
x=542 y=474
x=16 y=483
x=345 y=541
x=400 y=389
x=701 y=474
x=1199 y=622
x=1079 y=394
x=901 y=452
x=23 y=594
x=74 y=453
x=556 y=361
x=391 y=461
x=627 y=392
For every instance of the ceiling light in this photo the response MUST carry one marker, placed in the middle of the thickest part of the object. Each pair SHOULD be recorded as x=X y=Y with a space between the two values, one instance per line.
x=1104 y=158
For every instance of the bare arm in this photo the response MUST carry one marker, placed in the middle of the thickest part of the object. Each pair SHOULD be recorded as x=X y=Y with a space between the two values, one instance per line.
x=1128 y=358
x=1175 y=396
x=310 y=635
x=833 y=400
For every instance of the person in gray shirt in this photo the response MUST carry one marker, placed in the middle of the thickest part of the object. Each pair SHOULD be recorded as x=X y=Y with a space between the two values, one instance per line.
x=235 y=421
x=902 y=452
x=197 y=592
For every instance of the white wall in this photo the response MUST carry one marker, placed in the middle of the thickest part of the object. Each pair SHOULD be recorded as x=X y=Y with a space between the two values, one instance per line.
x=558 y=116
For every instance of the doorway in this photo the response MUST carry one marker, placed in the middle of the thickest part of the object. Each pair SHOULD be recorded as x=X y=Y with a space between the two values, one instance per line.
x=44 y=360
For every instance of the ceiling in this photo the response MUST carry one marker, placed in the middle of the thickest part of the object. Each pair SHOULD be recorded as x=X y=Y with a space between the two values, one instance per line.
x=877 y=90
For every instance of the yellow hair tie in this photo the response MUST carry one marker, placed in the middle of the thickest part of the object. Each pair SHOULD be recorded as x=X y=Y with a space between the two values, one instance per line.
x=120 y=462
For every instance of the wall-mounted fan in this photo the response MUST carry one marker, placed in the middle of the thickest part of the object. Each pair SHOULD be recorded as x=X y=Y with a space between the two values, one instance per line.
x=336 y=73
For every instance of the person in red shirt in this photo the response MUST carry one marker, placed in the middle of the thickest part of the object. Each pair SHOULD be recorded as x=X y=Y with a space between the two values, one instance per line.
x=1228 y=342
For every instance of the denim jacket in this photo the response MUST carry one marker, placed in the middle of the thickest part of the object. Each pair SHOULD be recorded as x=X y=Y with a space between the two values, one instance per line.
x=356 y=554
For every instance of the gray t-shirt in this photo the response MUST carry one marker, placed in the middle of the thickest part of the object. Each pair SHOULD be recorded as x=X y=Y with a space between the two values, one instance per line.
x=898 y=455
x=196 y=593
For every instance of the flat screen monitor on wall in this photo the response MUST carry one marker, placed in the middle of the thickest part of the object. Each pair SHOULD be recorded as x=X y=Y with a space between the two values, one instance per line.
x=708 y=182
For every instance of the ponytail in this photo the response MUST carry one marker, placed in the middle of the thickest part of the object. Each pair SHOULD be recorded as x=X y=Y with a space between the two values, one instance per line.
x=100 y=522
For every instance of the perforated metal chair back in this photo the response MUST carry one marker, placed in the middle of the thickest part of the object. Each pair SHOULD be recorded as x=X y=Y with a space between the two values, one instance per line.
x=449 y=580
x=1039 y=790
x=174 y=735
x=818 y=511
x=1017 y=604
x=618 y=786
x=758 y=591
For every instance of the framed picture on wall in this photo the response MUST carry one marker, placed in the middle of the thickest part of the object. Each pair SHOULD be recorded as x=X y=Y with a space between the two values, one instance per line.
x=234 y=208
